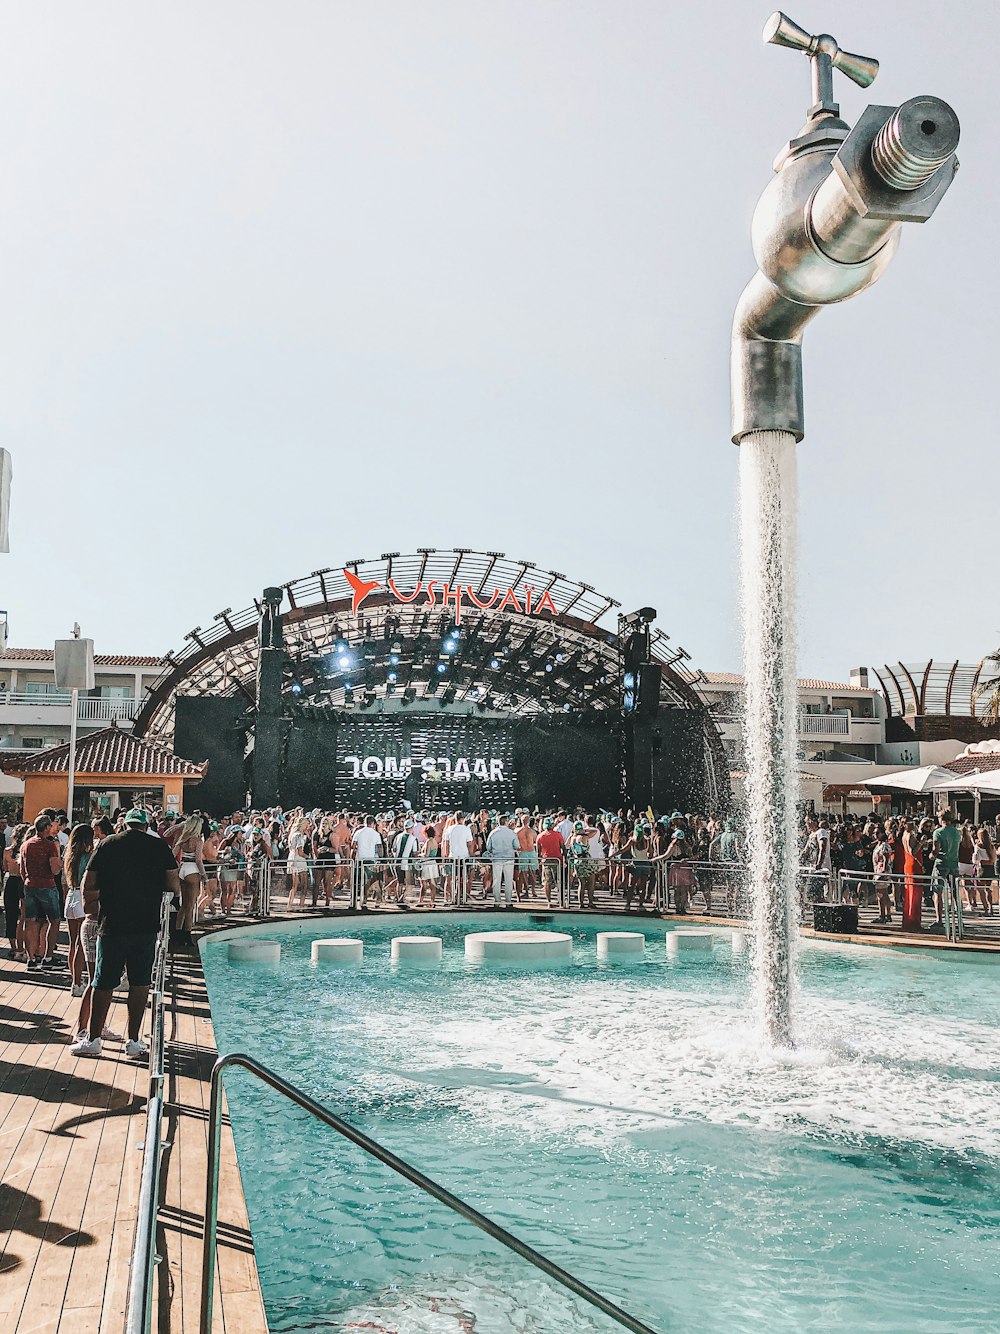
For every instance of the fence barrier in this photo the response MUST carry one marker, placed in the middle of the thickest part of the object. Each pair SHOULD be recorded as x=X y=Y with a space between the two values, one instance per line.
x=711 y=888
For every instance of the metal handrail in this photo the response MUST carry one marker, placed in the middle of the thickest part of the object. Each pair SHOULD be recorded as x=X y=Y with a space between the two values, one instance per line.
x=139 y=1312
x=390 y=1160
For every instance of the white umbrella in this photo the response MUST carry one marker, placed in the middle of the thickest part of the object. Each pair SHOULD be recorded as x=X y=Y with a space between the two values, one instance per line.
x=928 y=778
x=987 y=784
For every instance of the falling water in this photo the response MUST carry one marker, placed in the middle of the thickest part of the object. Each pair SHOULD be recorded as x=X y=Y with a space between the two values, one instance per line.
x=768 y=500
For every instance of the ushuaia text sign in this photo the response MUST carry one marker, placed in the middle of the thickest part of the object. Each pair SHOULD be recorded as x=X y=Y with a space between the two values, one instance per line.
x=440 y=769
x=437 y=594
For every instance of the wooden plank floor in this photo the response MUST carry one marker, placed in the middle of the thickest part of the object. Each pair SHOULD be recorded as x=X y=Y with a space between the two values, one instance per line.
x=70 y=1166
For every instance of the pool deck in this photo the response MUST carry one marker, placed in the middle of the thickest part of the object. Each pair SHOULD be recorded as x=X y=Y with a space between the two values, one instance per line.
x=70 y=1161
x=70 y=1132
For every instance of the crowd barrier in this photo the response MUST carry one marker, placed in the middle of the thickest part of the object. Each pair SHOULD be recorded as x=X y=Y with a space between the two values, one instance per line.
x=609 y=884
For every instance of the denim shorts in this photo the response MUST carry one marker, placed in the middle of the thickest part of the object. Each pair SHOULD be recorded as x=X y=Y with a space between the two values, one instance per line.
x=134 y=953
x=42 y=905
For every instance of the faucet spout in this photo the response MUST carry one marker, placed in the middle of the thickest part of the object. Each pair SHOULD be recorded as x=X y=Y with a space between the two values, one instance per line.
x=825 y=229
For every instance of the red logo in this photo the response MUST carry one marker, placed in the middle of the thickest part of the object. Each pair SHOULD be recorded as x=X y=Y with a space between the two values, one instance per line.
x=456 y=596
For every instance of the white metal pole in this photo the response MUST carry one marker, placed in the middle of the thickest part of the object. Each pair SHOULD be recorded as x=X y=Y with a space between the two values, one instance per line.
x=74 y=698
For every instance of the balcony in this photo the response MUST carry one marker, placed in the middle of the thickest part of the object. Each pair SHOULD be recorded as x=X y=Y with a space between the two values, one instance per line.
x=52 y=709
x=824 y=724
x=815 y=726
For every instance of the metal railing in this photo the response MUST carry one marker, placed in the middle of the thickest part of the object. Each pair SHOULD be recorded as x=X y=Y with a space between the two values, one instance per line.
x=824 y=724
x=389 y=1159
x=855 y=886
x=139 y=1312
x=90 y=708
x=609 y=885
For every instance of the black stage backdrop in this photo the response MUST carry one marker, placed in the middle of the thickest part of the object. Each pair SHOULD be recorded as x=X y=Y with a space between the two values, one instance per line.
x=373 y=762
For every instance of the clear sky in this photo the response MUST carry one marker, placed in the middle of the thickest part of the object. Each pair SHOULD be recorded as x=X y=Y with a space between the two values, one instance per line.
x=288 y=282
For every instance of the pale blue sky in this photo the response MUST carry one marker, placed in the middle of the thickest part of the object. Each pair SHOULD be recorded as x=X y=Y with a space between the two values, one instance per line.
x=283 y=284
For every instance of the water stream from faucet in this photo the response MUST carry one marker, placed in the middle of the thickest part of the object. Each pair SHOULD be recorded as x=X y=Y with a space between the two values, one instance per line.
x=768 y=504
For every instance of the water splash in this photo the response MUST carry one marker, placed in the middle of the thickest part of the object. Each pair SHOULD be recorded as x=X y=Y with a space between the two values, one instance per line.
x=768 y=502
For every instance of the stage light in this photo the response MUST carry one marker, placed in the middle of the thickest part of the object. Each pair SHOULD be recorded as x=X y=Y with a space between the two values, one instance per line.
x=475 y=693
x=409 y=695
x=394 y=658
x=494 y=663
x=442 y=666
x=397 y=647
x=560 y=657
x=343 y=662
x=341 y=646
x=566 y=708
x=548 y=667
x=296 y=688
x=390 y=676
x=450 y=645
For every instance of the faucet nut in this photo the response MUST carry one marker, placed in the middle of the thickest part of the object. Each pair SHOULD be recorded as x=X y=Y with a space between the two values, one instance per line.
x=884 y=148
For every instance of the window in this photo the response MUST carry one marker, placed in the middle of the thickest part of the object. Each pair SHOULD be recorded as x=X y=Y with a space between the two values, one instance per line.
x=31 y=743
x=43 y=688
x=116 y=692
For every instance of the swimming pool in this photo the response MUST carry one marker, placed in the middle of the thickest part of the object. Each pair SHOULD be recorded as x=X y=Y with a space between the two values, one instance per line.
x=620 y=1118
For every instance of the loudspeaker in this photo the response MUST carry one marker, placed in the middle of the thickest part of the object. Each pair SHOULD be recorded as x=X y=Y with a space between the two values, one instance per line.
x=210 y=727
x=650 y=674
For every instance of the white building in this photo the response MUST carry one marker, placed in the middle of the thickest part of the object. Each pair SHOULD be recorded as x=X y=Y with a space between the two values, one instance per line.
x=837 y=721
x=34 y=714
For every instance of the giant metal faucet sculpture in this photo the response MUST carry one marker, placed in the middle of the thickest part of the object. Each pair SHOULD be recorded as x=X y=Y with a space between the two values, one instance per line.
x=828 y=224
x=824 y=229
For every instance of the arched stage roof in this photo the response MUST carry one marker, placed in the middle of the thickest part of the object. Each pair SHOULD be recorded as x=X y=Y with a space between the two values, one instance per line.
x=525 y=641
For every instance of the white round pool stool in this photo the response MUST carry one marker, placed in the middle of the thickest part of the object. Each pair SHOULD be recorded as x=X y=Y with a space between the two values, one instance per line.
x=519 y=946
x=416 y=949
x=339 y=950
x=254 y=951
x=680 y=942
x=613 y=944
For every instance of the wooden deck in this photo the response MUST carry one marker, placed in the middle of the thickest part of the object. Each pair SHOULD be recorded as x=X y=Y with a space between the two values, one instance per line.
x=70 y=1166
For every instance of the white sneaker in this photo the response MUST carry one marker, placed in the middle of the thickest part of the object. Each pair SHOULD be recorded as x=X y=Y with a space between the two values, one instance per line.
x=84 y=1047
x=77 y=990
x=137 y=1048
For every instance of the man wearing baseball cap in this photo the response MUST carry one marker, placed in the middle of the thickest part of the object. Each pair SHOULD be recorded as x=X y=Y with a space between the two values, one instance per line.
x=127 y=877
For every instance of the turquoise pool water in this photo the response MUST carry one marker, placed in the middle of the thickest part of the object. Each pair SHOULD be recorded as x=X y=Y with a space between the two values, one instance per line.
x=621 y=1119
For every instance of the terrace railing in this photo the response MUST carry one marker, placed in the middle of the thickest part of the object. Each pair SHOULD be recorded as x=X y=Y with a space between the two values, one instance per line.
x=389 y=1159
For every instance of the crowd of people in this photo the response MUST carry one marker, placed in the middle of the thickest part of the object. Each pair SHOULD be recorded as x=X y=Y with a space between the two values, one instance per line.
x=419 y=858
x=108 y=881
x=887 y=858
x=416 y=859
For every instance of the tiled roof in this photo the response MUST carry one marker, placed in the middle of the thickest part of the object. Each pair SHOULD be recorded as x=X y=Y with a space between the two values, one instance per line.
x=100 y=659
x=110 y=751
x=970 y=764
x=805 y=683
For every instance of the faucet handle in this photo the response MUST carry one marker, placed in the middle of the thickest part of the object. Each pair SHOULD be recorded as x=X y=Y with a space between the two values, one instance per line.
x=825 y=56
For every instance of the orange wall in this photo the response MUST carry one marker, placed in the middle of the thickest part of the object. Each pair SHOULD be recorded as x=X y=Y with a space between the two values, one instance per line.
x=41 y=790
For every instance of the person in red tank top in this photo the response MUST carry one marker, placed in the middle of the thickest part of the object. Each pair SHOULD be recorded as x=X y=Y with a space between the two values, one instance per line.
x=551 y=850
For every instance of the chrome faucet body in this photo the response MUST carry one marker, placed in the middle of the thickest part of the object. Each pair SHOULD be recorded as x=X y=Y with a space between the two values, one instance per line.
x=828 y=224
